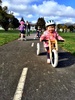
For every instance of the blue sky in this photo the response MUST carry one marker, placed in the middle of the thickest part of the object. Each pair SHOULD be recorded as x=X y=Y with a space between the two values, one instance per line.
x=66 y=2
x=60 y=11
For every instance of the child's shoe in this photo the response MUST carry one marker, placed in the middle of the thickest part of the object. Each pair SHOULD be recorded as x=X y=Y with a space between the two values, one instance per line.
x=24 y=39
x=48 y=61
x=19 y=39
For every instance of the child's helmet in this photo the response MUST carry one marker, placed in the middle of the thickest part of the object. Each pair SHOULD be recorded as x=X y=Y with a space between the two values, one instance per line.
x=50 y=22
x=22 y=22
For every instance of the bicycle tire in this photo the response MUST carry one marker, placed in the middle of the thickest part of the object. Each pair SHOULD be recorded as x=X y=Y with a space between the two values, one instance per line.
x=54 y=58
x=38 y=48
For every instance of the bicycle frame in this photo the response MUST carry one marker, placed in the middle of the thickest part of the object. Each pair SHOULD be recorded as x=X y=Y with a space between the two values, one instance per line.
x=53 y=45
x=53 y=50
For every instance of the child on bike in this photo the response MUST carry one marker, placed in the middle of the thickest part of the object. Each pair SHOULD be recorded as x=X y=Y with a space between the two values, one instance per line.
x=49 y=34
x=22 y=31
x=38 y=33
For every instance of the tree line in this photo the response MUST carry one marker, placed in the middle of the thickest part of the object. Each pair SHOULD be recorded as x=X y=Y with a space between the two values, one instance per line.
x=7 y=20
x=65 y=27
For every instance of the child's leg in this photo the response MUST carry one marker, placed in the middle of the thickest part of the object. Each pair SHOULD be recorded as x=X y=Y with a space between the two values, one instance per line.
x=24 y=36
x=21 y=36
x=48 y=55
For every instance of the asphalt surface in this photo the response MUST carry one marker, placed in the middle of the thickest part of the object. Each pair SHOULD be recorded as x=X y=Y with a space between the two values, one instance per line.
x=43 y=82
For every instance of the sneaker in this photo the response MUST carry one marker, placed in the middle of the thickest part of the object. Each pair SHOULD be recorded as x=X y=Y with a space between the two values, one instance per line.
x=48 y=61
x=24 y=39
x=19 y=39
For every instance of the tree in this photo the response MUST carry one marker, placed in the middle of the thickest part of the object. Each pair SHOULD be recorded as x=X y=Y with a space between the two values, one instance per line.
x=5 y=8
x=40 y=23
x=71 y=27
x=59 y=26
x=0 y=11
x=7 y=20
x=15 y=22
x=5 y=23
x=22 y=19
x=65 y=28
x=74 y=26
x=0 y=1
x=5 y=17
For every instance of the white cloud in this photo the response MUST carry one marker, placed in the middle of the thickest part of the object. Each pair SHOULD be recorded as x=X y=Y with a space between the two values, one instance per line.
x=50 y=8
x=30 y=16
x=6 y=3
x=16 y=14
x=68 y=20
x=19 y=7
x=23 y=1
x=47 y=9
x=34 y=21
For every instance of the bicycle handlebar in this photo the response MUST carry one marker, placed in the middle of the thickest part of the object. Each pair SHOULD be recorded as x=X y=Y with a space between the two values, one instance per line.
x=60 y=40
x=44 y=40
x=52 y=40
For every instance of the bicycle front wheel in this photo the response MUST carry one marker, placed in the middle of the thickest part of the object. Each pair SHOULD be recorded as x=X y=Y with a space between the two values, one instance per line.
x=54 y=58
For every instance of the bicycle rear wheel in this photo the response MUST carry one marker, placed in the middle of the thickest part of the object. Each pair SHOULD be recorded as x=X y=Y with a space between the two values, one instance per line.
x=38 y=49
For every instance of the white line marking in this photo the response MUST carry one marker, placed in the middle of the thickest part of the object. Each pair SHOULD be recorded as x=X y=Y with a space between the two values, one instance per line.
x=32 y=44
x=19 y=90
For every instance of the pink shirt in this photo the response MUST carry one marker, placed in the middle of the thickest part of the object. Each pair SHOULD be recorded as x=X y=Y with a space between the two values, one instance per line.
x=50 y=36
x=21 y=27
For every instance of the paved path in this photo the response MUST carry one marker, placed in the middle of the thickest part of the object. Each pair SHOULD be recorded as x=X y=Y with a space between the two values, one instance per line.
x=43 y=82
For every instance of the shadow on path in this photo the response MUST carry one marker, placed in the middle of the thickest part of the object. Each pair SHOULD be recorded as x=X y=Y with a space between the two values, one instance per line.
x=66 y=59
x=42 y=54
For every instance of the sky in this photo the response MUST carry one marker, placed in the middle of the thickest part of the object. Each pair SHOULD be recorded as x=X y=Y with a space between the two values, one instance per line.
x=61 y=11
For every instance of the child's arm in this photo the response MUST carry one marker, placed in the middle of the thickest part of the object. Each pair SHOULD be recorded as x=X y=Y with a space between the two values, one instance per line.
x=42 y=37
x=18 y=27
x=59 y=37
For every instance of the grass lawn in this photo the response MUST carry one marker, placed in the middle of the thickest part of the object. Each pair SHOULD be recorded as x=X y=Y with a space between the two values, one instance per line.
x=8 y=36
x=69 y=44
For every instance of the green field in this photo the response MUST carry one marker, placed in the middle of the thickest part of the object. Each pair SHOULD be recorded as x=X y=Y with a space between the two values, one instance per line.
x=68 y=45
x=8 y=36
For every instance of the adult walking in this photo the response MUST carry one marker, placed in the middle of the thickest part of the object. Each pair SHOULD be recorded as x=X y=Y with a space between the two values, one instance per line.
x=27 y=28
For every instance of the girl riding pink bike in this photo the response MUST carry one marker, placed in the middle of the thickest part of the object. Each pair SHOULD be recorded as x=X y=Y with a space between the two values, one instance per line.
x=49 y=34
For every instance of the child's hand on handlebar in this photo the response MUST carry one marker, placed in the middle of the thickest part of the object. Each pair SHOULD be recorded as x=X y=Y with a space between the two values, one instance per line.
x=61 y=40
x=44 y=40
